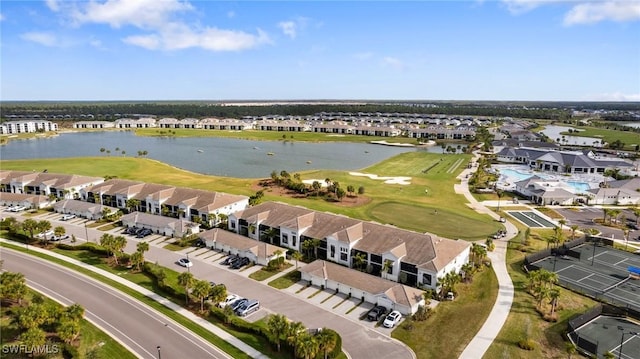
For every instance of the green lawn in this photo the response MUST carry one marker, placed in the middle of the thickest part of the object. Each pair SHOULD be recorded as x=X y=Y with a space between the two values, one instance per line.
x=451 y=328
x=286 y=280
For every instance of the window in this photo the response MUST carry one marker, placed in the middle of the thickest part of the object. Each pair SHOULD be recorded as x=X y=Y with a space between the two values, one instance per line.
x=285 y=238
x=426 y=279
x=343 y=253
x=233 y=224
x=293 y=241
x=333 y=251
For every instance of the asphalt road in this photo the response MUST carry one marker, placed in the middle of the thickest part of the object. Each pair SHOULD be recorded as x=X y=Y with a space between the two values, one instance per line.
x=133 y=323
x=584 y=218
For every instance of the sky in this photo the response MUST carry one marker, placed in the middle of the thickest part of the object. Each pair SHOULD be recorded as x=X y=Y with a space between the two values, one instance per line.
x=581 y=50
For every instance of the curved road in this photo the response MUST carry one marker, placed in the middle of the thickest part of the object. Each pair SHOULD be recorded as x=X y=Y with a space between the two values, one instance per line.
x=135 y=325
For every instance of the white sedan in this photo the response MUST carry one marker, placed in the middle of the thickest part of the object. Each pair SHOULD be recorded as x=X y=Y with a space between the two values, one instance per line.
x=392 y=319
x=185 y=262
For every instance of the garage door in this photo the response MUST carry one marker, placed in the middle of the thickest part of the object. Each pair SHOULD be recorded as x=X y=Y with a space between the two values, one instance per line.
x=385 y=302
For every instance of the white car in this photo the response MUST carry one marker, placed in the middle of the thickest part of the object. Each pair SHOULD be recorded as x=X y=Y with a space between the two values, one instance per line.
x=185 y=262
x=392 y=319
x=67 y=217
x=46 y=234
x=229 y=300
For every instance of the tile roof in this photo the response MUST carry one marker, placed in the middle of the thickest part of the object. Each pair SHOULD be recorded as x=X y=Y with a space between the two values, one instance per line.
x=397 y=292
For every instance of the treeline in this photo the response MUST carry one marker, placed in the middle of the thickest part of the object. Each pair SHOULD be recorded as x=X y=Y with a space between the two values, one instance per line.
x=112 y=111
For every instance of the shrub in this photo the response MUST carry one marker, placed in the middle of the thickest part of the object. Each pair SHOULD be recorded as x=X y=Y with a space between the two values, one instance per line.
x=527 y=344
x=423 y=313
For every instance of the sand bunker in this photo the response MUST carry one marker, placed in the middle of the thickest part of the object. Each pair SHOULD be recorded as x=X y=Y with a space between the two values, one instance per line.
x=310 y=182
x=388 y=180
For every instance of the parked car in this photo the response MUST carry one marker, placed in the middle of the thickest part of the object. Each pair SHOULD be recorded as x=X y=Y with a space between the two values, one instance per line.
x=227 y=261
x=143 y=232
x=376 y=313
x=248 y=308
x=185 y=262
x=450 y=296
x=238 y=303
x=67 y=217
x=59 y=238
x=230 y=299
x=200 y=243
x=46 y=234
x=392 y=319
x=240 y=263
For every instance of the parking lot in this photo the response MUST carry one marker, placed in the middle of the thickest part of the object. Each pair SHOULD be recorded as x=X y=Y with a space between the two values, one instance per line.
x=584 y=218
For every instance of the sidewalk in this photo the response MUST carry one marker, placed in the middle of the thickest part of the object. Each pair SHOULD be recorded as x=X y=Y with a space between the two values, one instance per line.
x=167 y=303
x=498 y=316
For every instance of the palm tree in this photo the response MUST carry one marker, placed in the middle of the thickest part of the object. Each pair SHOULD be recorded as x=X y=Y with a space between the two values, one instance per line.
x=270 y=233
x=13 y=285
x=136 y=259
x=293 y=333
x=574 y=228
x=44 y=226
x=142 y=247
x=59 y=231
x=562 y=222
x=68 y=330
x=359 y=261
x=605 y=212
x=386 y=268
x=316 y=186
x=277 y=325
x=33 y=338
x=74 y=312
x=326 y=341
x=296 y=256
x=119 y=243
x=186 y=279
x=201 y=290
x=554 y=294
x=614 y=215
x=307 y=346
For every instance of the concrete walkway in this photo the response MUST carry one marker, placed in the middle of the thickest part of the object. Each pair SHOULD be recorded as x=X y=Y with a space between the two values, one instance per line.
x=167 y=303
x=498 y=316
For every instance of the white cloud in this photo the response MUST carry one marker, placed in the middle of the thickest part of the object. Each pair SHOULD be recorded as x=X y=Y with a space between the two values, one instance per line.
x=231 y=14
x=53 y=5
x=42 y=38
x=288 y=28
x=164 y=30
x=179 y=36
x=590 y=13
x=393 y=62
x=2 y=17
x=615 y=96
x=583 y=11
x=139 y=13
x=291 y=28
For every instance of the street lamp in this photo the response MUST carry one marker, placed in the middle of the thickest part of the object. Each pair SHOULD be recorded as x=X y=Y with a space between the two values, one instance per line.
x=159 y=356
x=188 y=267
x=86 y=232
x=622 y=339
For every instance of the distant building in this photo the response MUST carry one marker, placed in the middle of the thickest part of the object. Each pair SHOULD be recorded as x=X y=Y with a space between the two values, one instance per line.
x=27 y=126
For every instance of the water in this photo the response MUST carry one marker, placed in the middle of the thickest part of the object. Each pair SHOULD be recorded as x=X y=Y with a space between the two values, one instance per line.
x=208 y=155
x=554 y=134
x=632 y=124
x=512 y=175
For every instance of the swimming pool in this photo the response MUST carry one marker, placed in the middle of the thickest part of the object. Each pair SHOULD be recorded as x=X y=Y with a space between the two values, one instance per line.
x=511 y=175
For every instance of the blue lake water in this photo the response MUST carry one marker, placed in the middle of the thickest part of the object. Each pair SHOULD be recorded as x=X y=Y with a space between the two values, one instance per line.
x=208 y=155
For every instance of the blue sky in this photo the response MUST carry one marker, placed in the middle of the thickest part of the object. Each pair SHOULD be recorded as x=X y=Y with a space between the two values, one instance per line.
x=291 y=50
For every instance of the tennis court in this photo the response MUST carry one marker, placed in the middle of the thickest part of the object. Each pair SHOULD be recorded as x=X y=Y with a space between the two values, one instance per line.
x=531 y=219
x=598 y=271
x=619 y=336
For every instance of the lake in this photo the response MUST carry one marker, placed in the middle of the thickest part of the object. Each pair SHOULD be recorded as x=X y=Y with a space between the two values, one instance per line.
x=208 y=155
x=553 y=132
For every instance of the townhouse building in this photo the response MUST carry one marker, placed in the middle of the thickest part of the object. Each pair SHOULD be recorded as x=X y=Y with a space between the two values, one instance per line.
x=47 y=184
x=395 y=254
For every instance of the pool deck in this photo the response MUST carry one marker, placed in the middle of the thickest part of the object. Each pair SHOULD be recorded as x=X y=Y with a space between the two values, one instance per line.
x=508 y=182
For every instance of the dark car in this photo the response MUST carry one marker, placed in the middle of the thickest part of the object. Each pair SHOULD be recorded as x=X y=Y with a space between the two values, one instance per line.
x=240 y=263
x=376 y=313
x=229 y=260
x=199 y=243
